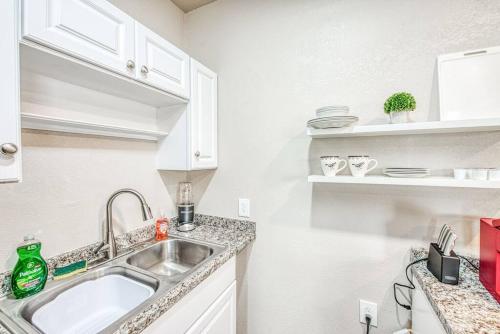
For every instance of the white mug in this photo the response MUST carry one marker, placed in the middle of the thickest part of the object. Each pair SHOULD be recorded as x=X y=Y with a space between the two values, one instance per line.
x=358 y=164
x=331 y=165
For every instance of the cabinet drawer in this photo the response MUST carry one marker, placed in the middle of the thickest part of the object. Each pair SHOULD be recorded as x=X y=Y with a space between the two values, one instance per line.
x=92 y=30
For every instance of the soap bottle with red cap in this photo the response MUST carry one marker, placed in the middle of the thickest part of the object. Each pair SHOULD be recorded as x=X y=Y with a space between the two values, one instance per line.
x=162 y=227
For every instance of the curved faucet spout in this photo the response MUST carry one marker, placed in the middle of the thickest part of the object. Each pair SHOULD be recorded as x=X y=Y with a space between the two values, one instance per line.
x=109 y=235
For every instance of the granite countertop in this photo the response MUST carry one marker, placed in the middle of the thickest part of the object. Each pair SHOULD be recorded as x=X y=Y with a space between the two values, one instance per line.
x=466 y=308
x=235 y=234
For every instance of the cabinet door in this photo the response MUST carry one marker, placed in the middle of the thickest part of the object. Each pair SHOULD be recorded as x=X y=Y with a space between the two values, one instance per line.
x=220 y=318
x=203 y=117
x=160 y=63
x=93 y=30
x=10 y=142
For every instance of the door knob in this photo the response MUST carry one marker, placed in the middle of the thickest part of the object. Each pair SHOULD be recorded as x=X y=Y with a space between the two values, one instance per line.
x=130 y=64
x=197 y=154
x=8 y=149
x=144 y=69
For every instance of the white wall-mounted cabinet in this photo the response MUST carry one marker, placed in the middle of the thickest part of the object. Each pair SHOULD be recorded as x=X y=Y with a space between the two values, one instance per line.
x=160 y=63
x=10 y=139
x=203 y=117
x=90 y=44
x=93 y=30
x=192 y=140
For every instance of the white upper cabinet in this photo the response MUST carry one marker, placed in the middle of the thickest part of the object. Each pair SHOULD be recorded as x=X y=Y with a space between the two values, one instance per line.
x=93 y=30
x=203 y=106
x=161 y=63
x=10 y=138
x=192 y=140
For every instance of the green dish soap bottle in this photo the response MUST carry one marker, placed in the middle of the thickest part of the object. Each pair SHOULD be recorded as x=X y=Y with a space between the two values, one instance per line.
x=30 y=273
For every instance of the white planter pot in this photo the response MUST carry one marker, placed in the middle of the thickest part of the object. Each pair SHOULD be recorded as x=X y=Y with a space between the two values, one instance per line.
x=400 y=117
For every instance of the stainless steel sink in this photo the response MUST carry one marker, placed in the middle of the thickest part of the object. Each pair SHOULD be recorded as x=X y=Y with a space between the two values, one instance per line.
x=155 y=265
x=172 y=257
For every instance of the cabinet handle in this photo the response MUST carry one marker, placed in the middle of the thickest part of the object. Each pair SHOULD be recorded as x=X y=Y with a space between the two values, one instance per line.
x=144 y=69
x=130 y=64
x=8 y=149
x=197 y=154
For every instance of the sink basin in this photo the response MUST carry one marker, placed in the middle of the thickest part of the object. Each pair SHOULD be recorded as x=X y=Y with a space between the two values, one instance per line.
x=172 y=257
x=92 y=304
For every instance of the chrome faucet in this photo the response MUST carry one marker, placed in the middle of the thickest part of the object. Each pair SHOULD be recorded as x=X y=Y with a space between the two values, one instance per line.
x=109 y=243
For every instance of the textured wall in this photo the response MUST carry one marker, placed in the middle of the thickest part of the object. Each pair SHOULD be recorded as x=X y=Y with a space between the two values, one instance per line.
x=320 y=248
x=161 y=16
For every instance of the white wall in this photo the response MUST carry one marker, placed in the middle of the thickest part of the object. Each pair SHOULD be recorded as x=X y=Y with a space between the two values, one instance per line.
x=161 y=16
x=321 y=248
x=68 y=178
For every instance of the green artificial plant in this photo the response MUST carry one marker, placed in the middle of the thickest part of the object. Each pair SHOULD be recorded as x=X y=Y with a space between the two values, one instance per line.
x=400 y=102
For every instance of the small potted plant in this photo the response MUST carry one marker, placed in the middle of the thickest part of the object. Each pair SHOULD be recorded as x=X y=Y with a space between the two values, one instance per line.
x=399 y=106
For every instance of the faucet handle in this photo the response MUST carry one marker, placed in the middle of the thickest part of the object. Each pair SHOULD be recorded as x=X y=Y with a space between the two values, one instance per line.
x=101 y=247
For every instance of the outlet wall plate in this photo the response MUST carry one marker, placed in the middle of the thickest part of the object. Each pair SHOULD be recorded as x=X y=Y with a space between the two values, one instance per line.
x=370 y=308
x=244 y=207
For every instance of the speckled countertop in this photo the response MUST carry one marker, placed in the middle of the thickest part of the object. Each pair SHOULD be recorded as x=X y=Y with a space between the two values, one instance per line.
x=235 y=234
x=466 y=308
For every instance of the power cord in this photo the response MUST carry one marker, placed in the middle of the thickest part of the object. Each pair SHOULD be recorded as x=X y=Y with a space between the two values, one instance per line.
x=470 y=262
x=411 y=286
x=368 y=320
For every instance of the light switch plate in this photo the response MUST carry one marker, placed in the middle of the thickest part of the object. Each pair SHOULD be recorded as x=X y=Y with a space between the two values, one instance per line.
x=244 y=207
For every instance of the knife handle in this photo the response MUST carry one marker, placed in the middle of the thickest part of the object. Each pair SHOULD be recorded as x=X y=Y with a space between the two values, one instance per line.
x=441 y=234
x=450 y=244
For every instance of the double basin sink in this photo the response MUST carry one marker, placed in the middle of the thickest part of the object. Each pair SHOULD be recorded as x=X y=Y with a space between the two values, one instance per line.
x=100 y=300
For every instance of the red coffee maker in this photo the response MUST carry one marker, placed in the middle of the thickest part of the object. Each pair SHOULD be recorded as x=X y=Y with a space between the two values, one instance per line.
x=489 y=256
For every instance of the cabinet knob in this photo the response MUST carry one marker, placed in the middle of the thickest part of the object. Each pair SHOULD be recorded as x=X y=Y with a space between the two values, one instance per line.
x=197 y=154
x=8 y=149
x=130 y=64
x=144 y=69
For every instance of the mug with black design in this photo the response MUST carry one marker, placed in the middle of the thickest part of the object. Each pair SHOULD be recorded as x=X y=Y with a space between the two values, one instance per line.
x=359 y=164
x=332 y=164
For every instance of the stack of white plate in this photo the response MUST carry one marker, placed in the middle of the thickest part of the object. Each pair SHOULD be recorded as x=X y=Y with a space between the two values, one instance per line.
x=406 y=172
x=332 y=117
x=332 y=111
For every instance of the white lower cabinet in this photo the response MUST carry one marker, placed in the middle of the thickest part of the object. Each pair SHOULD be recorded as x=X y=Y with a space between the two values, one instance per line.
x=220 y=318
x=210 y=308
x=424 y=319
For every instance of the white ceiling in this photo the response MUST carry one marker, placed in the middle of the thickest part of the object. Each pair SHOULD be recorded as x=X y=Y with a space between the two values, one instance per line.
x=189 y=5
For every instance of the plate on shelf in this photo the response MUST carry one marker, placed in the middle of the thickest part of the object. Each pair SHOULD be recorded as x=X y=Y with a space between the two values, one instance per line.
x=410 y=175
x=329 y=113
x=331 y=124
x=332 y=108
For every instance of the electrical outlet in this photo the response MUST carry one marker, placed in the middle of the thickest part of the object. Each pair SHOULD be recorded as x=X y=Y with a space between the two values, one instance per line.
x=368 y=308
x=244 y=207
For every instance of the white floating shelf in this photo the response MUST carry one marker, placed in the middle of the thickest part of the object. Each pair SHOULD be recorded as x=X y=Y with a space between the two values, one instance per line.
x=424 y=182
x=418 y=128
x=32 y=121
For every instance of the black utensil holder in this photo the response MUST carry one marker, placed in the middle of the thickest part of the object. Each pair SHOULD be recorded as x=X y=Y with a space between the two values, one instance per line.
x=446 y=268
